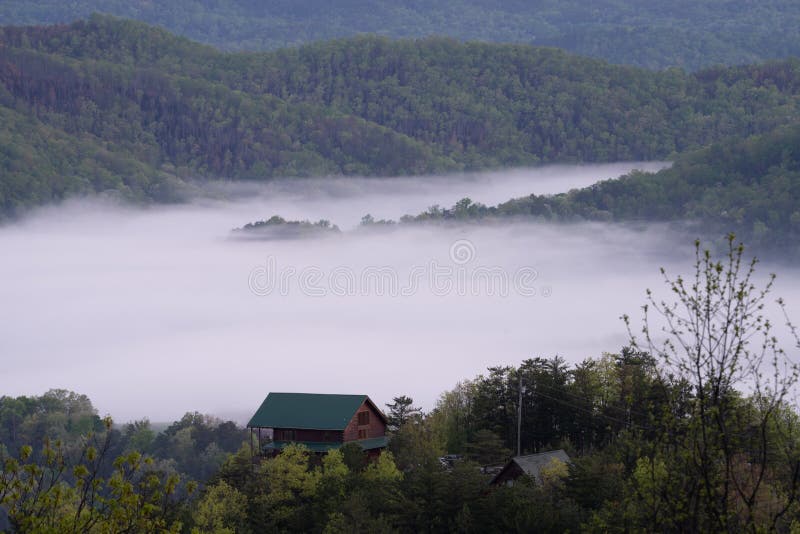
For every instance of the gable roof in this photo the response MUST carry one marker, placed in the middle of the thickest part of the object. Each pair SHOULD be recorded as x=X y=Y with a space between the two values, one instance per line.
x=532 y=464
x=316 y=411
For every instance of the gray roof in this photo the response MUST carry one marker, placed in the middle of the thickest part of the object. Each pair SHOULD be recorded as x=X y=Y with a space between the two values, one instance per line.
x=533 y=463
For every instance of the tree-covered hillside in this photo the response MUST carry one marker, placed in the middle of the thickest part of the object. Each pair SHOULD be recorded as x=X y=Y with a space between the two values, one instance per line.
x=638 y=32
x=750 y=187
x=108 y=104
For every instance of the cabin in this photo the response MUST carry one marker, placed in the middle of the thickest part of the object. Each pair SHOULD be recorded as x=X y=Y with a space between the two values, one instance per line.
x=321 y=422
x=530 y=465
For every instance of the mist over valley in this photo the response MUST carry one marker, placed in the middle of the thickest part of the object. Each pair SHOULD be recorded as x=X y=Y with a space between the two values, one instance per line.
x=153 y=311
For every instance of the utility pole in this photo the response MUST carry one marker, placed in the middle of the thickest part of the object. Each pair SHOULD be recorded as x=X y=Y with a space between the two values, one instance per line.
x=519 y=419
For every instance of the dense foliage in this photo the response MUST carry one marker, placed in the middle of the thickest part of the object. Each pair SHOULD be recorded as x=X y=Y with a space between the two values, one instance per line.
x=86 y=491
x=112 y=105
x=637 y=32
x=276 y=227
x=193 y=447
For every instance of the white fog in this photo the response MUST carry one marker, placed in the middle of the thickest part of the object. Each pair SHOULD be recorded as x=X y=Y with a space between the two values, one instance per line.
x=152 y=311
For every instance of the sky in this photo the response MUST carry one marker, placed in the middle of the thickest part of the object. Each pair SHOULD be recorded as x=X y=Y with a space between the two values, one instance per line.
x=156 y=311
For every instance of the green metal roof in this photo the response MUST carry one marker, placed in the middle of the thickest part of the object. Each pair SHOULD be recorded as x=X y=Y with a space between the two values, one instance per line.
x=373 y=443
x=320 y=446
x=306 y=410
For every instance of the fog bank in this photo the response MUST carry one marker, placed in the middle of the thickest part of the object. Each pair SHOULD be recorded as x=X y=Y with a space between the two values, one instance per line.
x=155 y=312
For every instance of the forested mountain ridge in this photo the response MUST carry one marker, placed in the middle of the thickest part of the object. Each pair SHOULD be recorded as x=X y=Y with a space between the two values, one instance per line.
x=750 y=187
x=637 y=32
x=143 y=109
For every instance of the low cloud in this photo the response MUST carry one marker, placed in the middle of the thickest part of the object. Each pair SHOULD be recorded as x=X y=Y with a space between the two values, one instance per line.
x=152 y=312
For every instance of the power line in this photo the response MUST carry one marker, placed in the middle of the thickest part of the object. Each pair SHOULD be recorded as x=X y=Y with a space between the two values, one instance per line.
x=589 y=401
x=601 y=415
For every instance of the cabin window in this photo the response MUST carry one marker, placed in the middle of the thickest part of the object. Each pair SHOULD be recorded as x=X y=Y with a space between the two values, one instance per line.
x=362 y=434
x=288 y=435
x=363 y=418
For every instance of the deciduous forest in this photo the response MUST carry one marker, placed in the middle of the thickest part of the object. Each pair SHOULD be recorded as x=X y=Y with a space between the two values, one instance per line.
x=672 y=33
x=748 y=186
x=108 y=105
